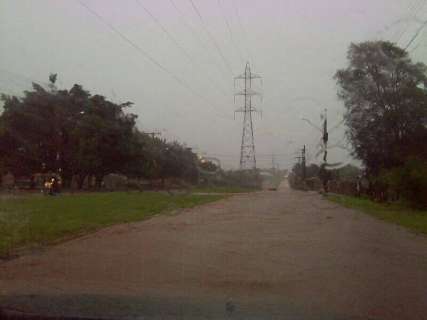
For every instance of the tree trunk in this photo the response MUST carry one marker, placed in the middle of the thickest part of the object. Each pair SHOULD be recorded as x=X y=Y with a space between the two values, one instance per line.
x=98 y=181
x=66 y=180
x=80 y=180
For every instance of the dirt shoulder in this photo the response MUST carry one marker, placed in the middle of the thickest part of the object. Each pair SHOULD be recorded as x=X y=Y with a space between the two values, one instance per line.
x=284 y=254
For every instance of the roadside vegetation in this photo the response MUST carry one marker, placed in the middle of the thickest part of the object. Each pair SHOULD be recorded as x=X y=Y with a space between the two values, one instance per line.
x=83 y=137
x=74 y=140
x=384 y=94
x=36 y=220
x=400 y=214
x=78 y=140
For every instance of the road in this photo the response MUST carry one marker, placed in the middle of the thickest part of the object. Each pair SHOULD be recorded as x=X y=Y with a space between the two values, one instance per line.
x=265 y=255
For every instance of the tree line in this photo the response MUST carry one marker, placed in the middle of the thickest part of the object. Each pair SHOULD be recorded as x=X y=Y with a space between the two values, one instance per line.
x=385 y=97
x=78 y=135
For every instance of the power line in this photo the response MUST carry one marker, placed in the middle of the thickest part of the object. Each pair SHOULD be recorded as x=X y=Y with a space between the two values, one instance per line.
x=411 y=11
x=164 y=29
x=146 y=54
x=189 y=57
x=211 y=37
x=194 y=33
x=260 y=155
x=397 y=34
x=417 y=33
x=227 y=23
x=416 y=6
x=417 y=46
x=239 y=21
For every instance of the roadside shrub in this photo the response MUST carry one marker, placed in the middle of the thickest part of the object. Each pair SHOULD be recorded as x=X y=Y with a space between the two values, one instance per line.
x=408 y=182
x=242 y=178
x=414 y=182
x=296 y=182
x=115 y=182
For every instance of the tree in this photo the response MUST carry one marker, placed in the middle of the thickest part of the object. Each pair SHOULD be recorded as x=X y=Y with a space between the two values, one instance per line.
x=102 y=139
x=77 y=134
x=386 y=101
x=207 y=165
x=66 y=131
x=29 y=133
x=170 y=160
x=312 y=171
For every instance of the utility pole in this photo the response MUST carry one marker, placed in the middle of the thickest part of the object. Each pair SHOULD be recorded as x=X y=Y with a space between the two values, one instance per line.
x=324 y=131
x=325 y=136
x=247 y=148
x=303 y=163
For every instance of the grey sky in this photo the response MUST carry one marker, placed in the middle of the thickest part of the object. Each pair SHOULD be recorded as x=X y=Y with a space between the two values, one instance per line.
x=295 y=45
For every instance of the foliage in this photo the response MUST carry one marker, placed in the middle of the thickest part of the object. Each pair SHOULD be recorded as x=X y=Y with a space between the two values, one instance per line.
x=318 y=176
x=208 y=166
x=346 y=173
x=408 y=180
x=414 y=182
x=415 y=220
x=83 y=135
x=386 y=101
x=295 y=177
x=385 y=96
x=39 y=220
x=311 y=170
x=243 y=178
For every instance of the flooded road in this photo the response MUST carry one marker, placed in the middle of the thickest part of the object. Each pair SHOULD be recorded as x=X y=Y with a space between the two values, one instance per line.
x=267 y=255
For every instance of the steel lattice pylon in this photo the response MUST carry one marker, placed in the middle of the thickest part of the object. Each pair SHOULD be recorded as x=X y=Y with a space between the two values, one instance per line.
x=247 y=148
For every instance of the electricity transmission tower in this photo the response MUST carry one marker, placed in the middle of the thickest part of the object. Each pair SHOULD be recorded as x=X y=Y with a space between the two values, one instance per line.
x=247 y=148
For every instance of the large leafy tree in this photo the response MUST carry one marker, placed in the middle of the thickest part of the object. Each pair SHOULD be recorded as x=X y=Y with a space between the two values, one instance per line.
x=101 y=139
x=169 y=159
x=81 y=135
x=386 y=104
x=31 y=130
x=65 y=131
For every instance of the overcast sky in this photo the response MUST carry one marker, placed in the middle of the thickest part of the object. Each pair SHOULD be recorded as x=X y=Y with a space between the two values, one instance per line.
x=179 y=76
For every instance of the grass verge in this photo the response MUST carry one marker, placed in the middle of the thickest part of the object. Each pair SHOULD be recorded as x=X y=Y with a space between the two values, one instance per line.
x=39 y=220
x=415 y=220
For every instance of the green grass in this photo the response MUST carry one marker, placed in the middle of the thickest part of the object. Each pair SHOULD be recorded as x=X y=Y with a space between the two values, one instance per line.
x=224 y=189
x=40 y=220
x=415 y=220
